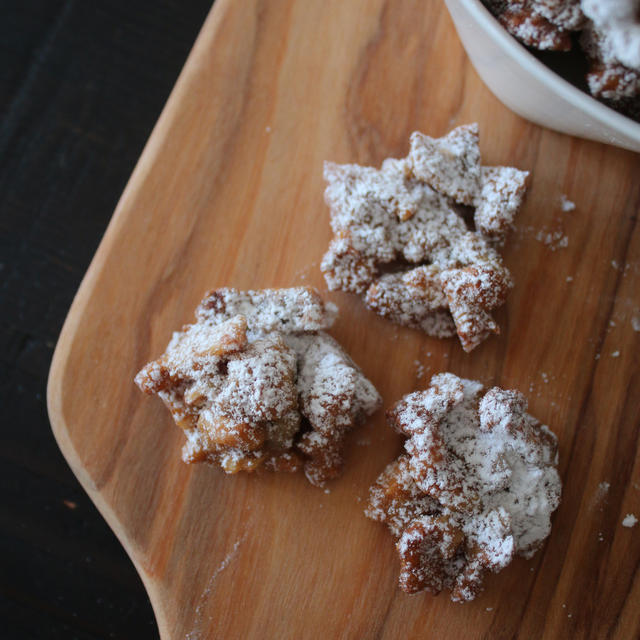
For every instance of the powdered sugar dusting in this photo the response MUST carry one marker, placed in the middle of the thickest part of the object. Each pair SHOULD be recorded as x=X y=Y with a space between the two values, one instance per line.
x=284 y=310
x=555 y=239
x=196 y=632
x=600 y=495
x=629 y=521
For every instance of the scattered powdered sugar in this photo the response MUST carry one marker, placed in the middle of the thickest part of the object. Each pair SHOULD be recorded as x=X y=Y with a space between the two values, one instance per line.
x=227 y=559
x=600 y=495
x=629 y=521
x=566 y=205
x=554 y=239
x=477 y=468
x=615 y=354
x=635 y=323
x=196 y=632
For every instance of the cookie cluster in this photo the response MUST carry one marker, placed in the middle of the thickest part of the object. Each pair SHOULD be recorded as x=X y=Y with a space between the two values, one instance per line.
x=401 y=239
x=256 y=382
x=608 y=32
x=477 y=484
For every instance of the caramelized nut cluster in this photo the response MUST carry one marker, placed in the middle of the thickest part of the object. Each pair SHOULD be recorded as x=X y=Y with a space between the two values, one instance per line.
x=256 y=382
x=609 y=37
x=542 y=24
x=477 y=484
x=401 y=238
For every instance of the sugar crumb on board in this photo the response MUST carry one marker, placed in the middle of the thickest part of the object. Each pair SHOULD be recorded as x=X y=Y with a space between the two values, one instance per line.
x=600 y=495
x=629 y=521
x=566 y=205
x=553 y=239
x=196 y=632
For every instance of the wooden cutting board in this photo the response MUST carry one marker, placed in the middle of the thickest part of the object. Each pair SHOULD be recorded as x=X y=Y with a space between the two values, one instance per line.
x=228 y=192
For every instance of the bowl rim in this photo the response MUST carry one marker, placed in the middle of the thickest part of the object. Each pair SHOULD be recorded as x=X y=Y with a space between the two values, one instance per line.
x=551 y=79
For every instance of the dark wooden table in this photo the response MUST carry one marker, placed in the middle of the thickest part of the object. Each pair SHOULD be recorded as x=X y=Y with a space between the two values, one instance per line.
x=81 y=86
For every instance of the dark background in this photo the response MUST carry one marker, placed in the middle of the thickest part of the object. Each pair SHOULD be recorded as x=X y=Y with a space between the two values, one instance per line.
x=81 y=85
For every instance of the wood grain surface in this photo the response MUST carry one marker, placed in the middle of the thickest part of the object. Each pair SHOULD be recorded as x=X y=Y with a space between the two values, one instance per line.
x=229 y=192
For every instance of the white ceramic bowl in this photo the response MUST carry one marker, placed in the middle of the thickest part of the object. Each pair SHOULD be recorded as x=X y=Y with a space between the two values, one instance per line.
x=531 y=89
